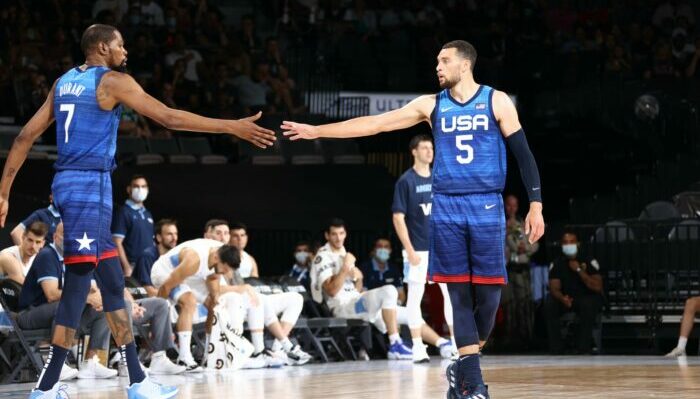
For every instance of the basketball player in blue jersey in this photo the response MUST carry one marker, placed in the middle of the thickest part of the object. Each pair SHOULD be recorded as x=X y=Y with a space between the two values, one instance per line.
x=85 y=103
x=471 y=124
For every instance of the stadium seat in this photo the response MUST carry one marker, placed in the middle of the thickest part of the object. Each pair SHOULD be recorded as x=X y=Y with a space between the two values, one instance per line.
x=688 y=204
x=614 y=231
x=169 y=148
x=305 y=152
x=199 y=147
x=658 y=211
x=686 y=230
x=131 y=146
x=258 y=156
x=343 y=152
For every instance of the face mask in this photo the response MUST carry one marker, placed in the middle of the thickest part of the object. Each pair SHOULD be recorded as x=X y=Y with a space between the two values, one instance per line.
x=139 y=194
x=569 y=249
x=383 y=254
x=301 y=257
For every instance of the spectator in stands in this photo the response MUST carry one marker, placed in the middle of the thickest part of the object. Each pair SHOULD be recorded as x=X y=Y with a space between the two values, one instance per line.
x=49 y=216
x=336 y=281
x=575 y=285
x=39 y=299
x=20 y=257
x=378 y=270
x=253 y=91
x=152 y=13
x=302 y=263
x=248 y=37
x=143 y=56
x=132 y=226
x=517 y=295
x=166 y=239
x=118 y=7
x=192 y=58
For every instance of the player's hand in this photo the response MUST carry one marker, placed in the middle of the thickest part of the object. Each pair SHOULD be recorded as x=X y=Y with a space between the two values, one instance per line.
x=574 y=265
x=137 y=311
x=4 y=206
x=413 y=258
x=296 y=131
x=534 y=222
x=247 y=130
x=349 y=261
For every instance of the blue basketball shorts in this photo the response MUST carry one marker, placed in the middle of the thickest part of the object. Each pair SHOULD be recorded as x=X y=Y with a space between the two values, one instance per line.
x=84 y=199
x=467 y=239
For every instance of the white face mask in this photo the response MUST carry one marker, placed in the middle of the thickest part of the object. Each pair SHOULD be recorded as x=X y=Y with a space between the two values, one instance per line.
x=139 y=194
x=569 y=250
x=301 y=257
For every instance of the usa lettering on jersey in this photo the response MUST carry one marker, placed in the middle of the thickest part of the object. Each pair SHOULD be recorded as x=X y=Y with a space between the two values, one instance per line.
x=463 y=123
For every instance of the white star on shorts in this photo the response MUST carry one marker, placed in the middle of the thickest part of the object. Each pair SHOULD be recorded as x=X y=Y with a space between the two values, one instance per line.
x=84 y=242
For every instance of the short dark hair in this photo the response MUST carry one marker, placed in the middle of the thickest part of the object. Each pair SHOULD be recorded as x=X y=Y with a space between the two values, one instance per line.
x=569 y=232
x=417 y=139
x=464 y=49
x=239 y=226
x=96 y=34
x=335 y=222
x=211 y=223
x=229 y=255
x=38 y=228
x=302 y=243
x=158 y=228
x=136 y=177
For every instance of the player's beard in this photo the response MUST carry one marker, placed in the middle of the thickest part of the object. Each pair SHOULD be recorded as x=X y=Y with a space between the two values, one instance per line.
x=121 y=67
x=448 y=83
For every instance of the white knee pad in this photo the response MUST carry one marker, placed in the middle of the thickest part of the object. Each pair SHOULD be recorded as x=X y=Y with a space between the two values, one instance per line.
x=389 y=297
x=413 y=302
x=447 y=304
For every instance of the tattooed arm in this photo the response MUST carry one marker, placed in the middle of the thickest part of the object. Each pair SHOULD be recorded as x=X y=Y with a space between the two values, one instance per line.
x=20 y=148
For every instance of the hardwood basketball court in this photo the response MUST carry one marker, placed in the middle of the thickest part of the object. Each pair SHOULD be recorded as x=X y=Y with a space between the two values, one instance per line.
x=508 y=376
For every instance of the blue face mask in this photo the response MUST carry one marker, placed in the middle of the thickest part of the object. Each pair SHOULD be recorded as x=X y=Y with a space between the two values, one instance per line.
x=569 y=250
x=383 y=254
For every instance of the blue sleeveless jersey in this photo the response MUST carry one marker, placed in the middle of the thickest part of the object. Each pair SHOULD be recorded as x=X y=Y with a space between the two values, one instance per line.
x=86 y=135
x=470 y=152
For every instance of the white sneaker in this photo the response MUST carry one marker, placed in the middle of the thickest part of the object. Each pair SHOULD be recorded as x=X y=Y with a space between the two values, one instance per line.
x=68 y=373
x=447 y=351
x=190 y=365
x=262 y=360
x=676 y=352
x=92 y=368
x=420 y=354
x=297 y=357
x=160 y=364
x=59 y=391
x=148 y=389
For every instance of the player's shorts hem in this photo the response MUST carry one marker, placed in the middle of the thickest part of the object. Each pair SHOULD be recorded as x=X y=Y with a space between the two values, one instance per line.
x=467 y=278
x=70 y=260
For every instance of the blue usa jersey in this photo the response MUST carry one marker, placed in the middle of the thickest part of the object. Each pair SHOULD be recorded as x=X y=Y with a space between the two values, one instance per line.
x=86 y=134
x=470 y=153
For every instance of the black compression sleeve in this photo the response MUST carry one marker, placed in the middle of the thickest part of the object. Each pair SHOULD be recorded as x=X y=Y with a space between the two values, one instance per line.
x=526 y=161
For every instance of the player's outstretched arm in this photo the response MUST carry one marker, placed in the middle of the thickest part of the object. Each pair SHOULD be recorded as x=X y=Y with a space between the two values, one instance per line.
x=41 y=120
x=117 y=87
x=409 y=115
x=508 y=121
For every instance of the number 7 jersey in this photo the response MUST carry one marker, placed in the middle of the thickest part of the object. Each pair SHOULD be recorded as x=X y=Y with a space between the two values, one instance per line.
x=86 y=134
x=470 y=152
